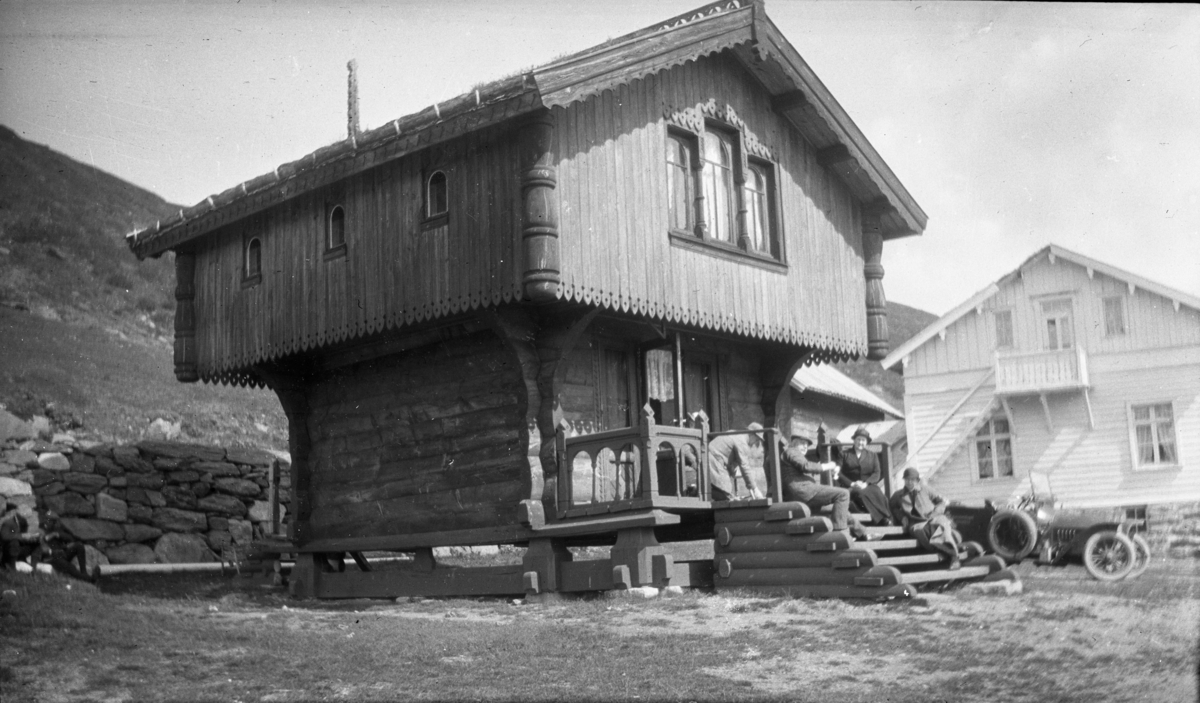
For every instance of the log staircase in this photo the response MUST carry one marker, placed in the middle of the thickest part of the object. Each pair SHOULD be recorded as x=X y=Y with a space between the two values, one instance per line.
x=785 y=549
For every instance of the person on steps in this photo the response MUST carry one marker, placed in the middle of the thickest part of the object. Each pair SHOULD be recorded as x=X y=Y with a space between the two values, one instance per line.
x=860 y=475
x=734 y=456
x=801 y=481
x=923 y=515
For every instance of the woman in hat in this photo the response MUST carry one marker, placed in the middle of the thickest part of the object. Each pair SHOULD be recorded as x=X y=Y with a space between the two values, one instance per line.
x=860 y=475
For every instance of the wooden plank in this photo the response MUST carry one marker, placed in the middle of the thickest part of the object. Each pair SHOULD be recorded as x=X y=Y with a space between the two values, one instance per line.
x=609 y=523
x=505 y=534
x=796 y=559
x=902 y=590
x=808 y=576
x=829 y=541
x=405 y=581
x=965 y=573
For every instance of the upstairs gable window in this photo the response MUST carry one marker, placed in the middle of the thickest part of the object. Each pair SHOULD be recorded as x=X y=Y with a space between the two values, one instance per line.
x=1059 y=329
x=719 y=195
x=1114 y=317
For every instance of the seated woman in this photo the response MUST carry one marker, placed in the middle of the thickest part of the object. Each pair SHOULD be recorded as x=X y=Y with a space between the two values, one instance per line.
x=860 y=475
x=922 y=513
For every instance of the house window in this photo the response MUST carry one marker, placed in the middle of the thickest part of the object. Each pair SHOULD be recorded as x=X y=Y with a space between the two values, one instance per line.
x=1153 y=428
x=718 y=197
x=252 y=261
x=1004 y=328
x=1056 y=316
x=681 y=183
x=1114 y=316
x=437 y=197
x=993 y=450
x=335 y=231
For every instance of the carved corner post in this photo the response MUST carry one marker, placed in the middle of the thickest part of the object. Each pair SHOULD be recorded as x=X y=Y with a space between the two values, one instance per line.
x=539 y=209
x=185 y=317
x=877 y=329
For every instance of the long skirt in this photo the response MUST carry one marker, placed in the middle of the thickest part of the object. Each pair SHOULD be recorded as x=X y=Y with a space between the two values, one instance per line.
x=873 y=501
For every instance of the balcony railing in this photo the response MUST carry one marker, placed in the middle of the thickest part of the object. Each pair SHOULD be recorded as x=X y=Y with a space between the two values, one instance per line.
x=1040 y=372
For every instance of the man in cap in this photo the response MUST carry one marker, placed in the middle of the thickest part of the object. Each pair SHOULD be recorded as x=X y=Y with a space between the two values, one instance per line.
x=860 y=474
x=731 y=456
x=801 y=481
x=922 y=513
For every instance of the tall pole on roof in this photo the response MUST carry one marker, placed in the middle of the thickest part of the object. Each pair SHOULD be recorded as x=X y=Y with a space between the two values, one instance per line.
x=352 y=101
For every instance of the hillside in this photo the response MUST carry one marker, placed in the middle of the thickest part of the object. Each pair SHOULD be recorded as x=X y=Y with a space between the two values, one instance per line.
x=903 y=323
x=86 y=327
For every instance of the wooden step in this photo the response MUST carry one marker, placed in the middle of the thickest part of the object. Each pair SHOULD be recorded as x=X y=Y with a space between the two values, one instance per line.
x=887 y=545
x=967 y=572
x=913 y=559
x=888 y=531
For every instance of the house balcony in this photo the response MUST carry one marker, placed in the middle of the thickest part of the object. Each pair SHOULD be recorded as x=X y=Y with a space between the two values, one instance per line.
x=1041 y=372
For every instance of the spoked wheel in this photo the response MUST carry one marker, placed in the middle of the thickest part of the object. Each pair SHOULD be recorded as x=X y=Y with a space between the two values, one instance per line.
x=1109 y=556
x=1012 y=535
x=1142 y=559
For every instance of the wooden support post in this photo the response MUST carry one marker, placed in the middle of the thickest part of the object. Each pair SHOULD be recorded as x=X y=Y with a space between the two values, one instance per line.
x=877 y=328
x=637 y=549
x=423 y=559
x=543 y=559
x=290 y=390
x=185 y=317
x=306 y=576
x=775 y=376
x=539 y=210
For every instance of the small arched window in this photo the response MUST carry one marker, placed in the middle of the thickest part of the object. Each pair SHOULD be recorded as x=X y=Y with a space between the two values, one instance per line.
x=252 y=271
x=437 y=197
x=335 y=228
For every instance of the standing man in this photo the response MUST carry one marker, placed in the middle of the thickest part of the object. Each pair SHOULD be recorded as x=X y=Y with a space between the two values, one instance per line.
x=861 y=476
x=731 y=456
x=801 y=481
x=923 y=515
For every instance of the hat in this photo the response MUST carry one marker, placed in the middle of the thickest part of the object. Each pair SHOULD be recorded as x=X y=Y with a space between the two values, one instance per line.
x=861 y=432
x=757 y=429
x=802 y=437
x=911 y=472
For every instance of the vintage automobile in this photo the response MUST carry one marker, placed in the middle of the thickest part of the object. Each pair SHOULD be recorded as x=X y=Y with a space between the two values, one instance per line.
x=1110 y=548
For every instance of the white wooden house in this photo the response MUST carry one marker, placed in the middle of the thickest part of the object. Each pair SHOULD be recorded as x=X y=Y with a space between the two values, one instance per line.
x=1067 y=367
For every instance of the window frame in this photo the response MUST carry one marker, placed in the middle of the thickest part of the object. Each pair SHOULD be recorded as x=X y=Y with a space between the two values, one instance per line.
x=429 y=218
x=1012 y=332
x=253 y=232
x=1134 y=454
x=334 y=251
x=992 y=437
x=1045 y=317
x=700 y=236
x=1118 y=302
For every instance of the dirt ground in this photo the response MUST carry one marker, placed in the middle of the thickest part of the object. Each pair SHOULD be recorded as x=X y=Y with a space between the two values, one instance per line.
x=1066 y=637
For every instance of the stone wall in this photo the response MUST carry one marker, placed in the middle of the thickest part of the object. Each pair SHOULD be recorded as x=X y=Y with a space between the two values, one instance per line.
x=1174 y=529
x=150 y=502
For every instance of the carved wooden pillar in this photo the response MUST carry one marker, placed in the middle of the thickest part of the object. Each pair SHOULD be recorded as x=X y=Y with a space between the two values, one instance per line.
x=539 y=209
x=185 y=317
x=877 y=329
x=292 y=393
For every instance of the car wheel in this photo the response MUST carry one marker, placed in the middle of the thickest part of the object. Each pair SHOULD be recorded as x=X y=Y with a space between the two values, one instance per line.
x=1109 y=555
x=1012 y=535
x=1142 y=560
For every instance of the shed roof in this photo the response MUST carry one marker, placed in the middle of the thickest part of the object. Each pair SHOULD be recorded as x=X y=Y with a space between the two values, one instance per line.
x=828 y=381
x=1052 y=252
x=740 y=26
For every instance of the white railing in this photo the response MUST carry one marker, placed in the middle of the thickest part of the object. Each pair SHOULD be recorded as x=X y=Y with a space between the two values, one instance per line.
x=1037 y=372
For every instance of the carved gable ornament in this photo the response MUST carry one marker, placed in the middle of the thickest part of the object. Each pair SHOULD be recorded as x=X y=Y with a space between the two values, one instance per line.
x=692 y=119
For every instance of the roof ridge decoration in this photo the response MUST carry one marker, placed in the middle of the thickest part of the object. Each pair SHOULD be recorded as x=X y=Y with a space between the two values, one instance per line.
x=1051 y=252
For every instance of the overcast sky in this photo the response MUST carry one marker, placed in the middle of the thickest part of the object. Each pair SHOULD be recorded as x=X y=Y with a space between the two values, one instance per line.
x=1013 y=125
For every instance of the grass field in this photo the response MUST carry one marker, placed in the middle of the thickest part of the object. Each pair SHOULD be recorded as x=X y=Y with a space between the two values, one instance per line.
x=116 y=384
x=1067 y=638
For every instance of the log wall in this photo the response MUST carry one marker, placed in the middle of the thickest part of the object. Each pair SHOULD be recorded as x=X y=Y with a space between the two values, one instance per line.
x=425 y=441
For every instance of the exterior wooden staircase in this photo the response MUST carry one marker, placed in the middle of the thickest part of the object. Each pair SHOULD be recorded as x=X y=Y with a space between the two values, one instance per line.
x=784 y=548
